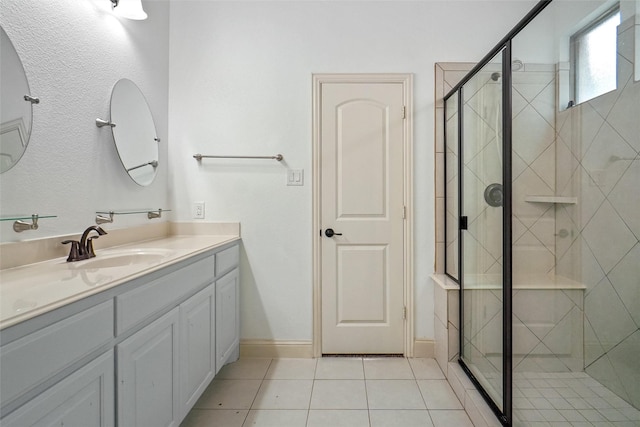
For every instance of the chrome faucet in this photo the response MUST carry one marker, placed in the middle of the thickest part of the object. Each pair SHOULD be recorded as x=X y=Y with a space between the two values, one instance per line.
x=84 y=248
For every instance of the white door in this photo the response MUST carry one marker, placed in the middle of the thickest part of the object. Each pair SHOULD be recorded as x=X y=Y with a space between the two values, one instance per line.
x=362 y=197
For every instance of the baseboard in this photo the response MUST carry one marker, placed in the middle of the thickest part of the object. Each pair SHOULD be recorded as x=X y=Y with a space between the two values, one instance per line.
x=276 y=349
x=424 y=348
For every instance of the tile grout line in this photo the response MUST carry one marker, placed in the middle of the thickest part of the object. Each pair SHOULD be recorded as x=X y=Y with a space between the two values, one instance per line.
x=366 y=393
x=422 y=396
x=313 y=386
x=270 y=365
x=258 y=392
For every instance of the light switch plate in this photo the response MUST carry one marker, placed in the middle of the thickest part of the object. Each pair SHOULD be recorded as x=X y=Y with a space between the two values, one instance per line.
x=295 y=177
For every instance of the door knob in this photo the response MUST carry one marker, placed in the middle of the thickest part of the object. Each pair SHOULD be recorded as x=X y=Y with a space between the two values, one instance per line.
x=330 y=233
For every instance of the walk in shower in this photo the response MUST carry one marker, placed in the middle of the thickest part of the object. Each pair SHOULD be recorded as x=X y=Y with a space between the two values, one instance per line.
x=542 y=216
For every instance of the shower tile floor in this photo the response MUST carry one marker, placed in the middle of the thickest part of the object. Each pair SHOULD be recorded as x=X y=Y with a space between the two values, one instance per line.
x=568 y=399
x=329 y=392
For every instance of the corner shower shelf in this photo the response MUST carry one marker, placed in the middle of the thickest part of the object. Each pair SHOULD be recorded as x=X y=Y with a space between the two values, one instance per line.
x=551 y=199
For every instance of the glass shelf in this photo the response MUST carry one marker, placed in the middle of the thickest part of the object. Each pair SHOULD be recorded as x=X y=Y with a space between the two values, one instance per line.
x=106 y=217
x=24 y=217
x=25 y=222
x=131 y=211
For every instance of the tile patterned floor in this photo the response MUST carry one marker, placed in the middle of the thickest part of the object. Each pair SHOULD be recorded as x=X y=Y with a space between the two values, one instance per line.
x=568 y=399
x=329 y=392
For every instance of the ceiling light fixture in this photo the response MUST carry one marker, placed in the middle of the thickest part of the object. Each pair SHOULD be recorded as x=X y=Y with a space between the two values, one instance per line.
x=130 y=9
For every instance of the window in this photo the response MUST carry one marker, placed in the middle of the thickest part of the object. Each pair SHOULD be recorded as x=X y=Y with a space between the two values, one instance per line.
x=594 y=56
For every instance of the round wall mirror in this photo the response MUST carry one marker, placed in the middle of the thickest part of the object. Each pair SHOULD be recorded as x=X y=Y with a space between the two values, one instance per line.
x=15 y=109
x=134 y=132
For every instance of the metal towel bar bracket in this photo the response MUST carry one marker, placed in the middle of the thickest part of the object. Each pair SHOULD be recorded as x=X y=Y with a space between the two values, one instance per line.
x=20 y=226
x=102 y=123
x=32 y=99
x=277 y=157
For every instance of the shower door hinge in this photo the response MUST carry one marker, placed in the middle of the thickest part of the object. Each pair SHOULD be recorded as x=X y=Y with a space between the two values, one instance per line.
x=404 y=313
x=404 y=112
x=464 y=223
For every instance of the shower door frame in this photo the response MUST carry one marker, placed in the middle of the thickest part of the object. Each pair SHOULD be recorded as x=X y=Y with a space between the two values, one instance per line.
x=505 y=46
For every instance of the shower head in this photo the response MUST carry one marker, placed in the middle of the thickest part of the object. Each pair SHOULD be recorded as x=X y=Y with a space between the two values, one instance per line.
x=516 y=65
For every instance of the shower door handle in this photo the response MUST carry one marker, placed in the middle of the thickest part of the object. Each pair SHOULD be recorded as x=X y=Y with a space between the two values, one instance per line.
x=464 y=223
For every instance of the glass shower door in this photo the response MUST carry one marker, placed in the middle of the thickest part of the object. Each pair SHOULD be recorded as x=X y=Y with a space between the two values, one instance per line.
x=482 y=222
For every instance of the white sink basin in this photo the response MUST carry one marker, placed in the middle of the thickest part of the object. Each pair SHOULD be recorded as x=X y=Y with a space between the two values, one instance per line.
x=124 y=257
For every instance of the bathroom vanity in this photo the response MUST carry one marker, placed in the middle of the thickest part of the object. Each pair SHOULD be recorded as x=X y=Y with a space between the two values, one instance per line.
x=112 y=343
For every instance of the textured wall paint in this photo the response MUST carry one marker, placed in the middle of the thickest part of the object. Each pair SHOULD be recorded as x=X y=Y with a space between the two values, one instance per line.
x=240 y=83
x=73 y=53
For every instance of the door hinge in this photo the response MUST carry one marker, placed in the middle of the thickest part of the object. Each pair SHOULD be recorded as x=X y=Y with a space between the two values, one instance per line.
x=404 y=313
x=404 y=112
x=404 y=212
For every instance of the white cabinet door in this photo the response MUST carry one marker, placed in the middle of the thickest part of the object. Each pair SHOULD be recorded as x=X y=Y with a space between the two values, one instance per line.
x=227 y=318
x=83 y=399
x=197 y=347
x=147 y=380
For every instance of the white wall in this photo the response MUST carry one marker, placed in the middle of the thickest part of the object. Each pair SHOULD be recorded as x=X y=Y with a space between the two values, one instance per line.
x=73 y=53
x=240 y=83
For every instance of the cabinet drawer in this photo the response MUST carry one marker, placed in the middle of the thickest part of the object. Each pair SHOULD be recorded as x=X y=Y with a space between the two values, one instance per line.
x=32 y=359
x=227 y=259
x=138 y=304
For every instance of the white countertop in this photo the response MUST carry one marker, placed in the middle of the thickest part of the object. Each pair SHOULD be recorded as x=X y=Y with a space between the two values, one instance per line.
x=34 y=289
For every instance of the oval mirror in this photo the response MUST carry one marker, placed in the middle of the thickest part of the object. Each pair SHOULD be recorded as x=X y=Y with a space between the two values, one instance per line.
x=134 y=132
x=15 y=109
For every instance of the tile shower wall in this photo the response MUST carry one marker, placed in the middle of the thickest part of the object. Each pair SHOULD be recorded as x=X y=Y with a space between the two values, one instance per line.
x=534 y=164
x=534 y=168
x=598 y=238
x=482 y=158
x=547 y=323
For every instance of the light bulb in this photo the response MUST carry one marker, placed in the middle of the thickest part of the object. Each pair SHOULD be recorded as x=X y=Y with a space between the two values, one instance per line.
x=130 y=9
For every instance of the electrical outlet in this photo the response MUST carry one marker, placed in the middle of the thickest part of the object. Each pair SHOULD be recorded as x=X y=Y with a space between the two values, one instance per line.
x=198 y=210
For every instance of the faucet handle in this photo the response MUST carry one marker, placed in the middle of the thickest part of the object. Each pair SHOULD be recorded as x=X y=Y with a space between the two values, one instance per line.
x=74 y=253
x=90 y=252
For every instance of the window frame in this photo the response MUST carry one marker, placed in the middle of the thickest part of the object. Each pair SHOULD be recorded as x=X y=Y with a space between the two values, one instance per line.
x=573 y=51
